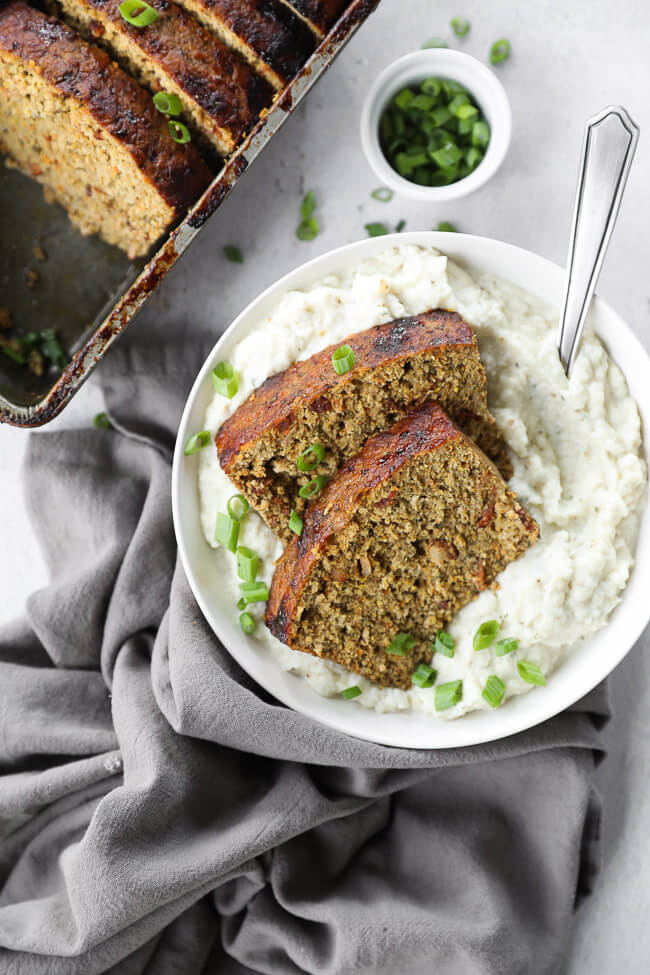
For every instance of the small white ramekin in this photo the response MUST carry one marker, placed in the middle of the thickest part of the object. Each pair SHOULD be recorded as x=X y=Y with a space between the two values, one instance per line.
x=441 y=63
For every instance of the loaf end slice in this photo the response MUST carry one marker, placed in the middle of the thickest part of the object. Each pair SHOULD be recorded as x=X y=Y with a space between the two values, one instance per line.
x=407 y=533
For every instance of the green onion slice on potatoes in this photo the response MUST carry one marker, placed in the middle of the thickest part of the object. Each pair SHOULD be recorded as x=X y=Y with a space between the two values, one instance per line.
x=424 y=676
x=247 y=623
x=237 y=506
x=226 y=531
x=254 y=592
x=531 y=673
x=494 y=691
x=446 y=695
x=444 y=644
x=350 y=693
x=197 y=442
x=484 y=636
x=248 y=563
x=224 y=380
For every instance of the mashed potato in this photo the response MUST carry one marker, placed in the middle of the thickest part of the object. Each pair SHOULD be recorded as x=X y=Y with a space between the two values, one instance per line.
x=576 y=449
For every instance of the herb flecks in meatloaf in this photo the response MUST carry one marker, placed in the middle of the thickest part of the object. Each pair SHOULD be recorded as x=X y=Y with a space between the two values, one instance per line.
x=409 y=531
x=72 y=119
x=397 y=365
x=220 y=93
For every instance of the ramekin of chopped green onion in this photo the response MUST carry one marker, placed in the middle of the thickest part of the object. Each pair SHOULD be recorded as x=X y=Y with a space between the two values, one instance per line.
x=436 y=125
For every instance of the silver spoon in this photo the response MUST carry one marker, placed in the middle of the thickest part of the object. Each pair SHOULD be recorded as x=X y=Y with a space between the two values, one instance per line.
x=609 y=147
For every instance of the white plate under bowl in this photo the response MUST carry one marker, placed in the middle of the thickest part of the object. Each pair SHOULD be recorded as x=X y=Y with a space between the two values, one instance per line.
x=583 y=668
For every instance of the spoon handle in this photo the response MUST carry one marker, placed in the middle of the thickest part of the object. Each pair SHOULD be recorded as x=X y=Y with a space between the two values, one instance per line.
x=609 y=146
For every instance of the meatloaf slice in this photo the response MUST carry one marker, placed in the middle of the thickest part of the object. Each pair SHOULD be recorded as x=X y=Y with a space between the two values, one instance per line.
x=397 y=365
x=319 y=15
x=265 y=32
x=76 y=122
x=410 y=530
x=220 y=93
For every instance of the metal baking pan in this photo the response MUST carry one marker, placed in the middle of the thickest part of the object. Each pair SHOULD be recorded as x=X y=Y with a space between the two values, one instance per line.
x=89 y=291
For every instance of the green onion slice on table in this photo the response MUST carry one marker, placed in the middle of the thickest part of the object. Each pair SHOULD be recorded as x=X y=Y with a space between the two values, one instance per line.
x=248 y=563
x=401 y=644
x=446 y=695
x=343 y=359
x=226 y=531
x=233 y=254
x=167 y=102
x=376 y=229
x=447 y=227
x=224 y=379
x=308 y=229
x=197 y=442
x=460 y=26
x=494 y=691
x=313 y=488
x=500 y=51
x=434 y=42
x=102 y=421
x=484 y=636
x=311 y=457
x=383 y=194
x=138 y=13
x=424 y=676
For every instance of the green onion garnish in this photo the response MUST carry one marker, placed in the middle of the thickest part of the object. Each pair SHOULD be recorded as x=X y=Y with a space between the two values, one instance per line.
x=401 y=644
x=444 y=643
x=227 y=531
x=376 y=229
x=241 y=603
x=103 y=423
x=308 y=205
x=313 y=488
x=311 y=457
x=383 y=194
x=237 y=506
x=254 y=592
x=531 y=673
x=52 y=348
x=434 y=42
x=480 y=134
x=246 y=622
x=447 y=227
x=167 y=103
x=224 y=379
x=247 y=563
x=179 y=132
x=493 y=691
x=500 y=51
x=308 y=229
x=460 y=26
x=233 y=254
x=484 y=636
x=400 y=226
x=350 y=693
x=502 y=647
x=197 y=442
x=14 y=354
x=424 y=676
x=343 y=359
x=448 y=694
x=295 y=523
x=138 y=13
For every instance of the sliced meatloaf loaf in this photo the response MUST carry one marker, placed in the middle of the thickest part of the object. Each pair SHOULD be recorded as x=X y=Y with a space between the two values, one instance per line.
x=397 y=365
x=319 y=15
x=265 y=32
x=410 y=530
x=76 y=122
x=220 y=93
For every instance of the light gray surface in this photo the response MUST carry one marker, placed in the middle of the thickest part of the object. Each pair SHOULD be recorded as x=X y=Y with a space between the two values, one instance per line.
x=569 y=60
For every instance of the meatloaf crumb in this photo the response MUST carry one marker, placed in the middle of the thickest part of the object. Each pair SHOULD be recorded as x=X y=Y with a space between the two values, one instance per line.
x=397 y=543
x=69 y=116
x=397 y=365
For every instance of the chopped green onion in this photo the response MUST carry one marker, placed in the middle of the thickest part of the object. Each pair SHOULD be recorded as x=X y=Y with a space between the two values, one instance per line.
x=401 y=644
x=224 y=379
x=167 y=103
x=502 y=647
x=424 y=676
x=473 y=157
x=52 y=348
x=403 y=98
x=103 y=423
x=484 y=636
x=247 y=623
x=444 y=643
x=435 y=42
x=311 y=457
x=343 y=359
x=466 y=112
x=179 y=132
x=248 y=563
x=460 y=26
x=480 y=134
x=227 y=531
x=500 y=51
x=254 y=592
x=233 y=254
x=308 y=205
x=197 y=442
x=375 y=229
x=531 y=673
x=447 y=227
x=241 y=603
x=313 y=488
x=400 y=226
x=308 y=229
x=446 y=695
x=448 y=155
x=383 y=194
x=295 y=523
x=14 y=354
x=138 y=13
x=350 y=693
x=237 y=506
x=493 y=691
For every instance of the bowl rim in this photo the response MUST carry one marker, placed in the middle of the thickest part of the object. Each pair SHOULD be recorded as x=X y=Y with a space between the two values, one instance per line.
x=486 y=88
x=587 y=665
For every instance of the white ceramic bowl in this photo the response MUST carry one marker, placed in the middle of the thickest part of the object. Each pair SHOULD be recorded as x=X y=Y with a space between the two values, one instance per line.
x=444 y=63
x=582 y=669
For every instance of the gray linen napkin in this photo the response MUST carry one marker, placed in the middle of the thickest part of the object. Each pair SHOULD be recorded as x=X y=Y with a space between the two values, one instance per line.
x=161 y=813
